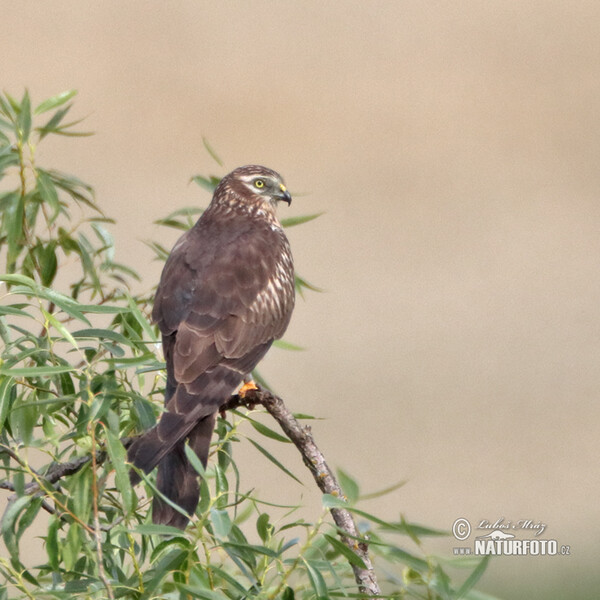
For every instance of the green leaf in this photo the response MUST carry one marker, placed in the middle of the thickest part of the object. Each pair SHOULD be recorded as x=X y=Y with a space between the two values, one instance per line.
x=210 y=150
x=6 y=109
x=288 y=594
x=102 y=334
x=118 y=458
x=267 y=431
x=291 y=221
x=331 y=501
x=194 y=461
x=300 y=284
x=263 y=527
x=207 y=183
x=414 y=562
x=349 y=486
x=152 y=529
x=66 y=334
x=287 y=346
x=24 y=118
x=221 y=522
x=473 y=578
x=384 y=491
x=7 y=385
x=8 y=523
x=36 y=371
x=55 y=101
x=201 y=593
x=272 y=459
x=48 y=193
x=350 y=556
x=316 y=579
x=166 y=565
x=52 y=124
x=440 y=582
x=46 y=257
x=52 y=543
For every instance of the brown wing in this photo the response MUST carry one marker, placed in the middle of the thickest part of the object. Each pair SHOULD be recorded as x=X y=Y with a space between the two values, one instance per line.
x=225 y=294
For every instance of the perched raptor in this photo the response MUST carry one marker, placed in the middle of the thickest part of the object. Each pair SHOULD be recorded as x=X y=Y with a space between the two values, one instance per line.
x=226 y=292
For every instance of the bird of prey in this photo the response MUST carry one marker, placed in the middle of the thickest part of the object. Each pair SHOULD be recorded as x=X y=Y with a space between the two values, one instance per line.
x=225 y=294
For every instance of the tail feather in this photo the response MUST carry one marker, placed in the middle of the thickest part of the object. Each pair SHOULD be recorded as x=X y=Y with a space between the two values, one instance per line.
x=191 y=413
x=178 y=480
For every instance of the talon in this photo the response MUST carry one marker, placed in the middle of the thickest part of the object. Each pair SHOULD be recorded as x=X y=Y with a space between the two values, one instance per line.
x=249 y=385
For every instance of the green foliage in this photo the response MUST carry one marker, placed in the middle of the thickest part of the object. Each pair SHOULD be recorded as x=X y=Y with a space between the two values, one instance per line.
x=80 y=371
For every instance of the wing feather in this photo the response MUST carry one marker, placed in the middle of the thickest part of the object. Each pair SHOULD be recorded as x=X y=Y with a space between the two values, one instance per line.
x=225 y=291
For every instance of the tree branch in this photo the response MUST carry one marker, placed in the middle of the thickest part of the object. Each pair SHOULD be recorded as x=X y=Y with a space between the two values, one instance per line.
x=313 y=458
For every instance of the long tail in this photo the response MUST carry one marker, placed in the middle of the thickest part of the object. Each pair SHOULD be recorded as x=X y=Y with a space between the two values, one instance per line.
x=190 y=415
x=178 y=480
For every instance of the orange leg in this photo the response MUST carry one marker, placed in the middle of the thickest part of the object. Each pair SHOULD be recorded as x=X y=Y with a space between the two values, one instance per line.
x=248 y=385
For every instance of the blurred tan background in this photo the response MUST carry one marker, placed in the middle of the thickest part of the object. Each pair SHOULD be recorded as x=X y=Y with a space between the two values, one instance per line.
x=455 y=148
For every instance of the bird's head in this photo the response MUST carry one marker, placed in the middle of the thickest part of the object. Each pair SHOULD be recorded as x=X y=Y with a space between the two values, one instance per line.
x=255 y=186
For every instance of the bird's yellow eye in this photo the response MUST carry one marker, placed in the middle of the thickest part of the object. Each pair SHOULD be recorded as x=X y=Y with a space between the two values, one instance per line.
x=259 y=183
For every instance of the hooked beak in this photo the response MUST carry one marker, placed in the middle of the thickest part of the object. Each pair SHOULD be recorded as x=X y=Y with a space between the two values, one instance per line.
x=284 y=194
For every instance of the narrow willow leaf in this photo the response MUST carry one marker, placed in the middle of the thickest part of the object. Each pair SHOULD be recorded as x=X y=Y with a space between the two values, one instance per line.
x=211 y=151
x=8 y=524
x=48 y=193
x=384 y=491
x=7 y=385
x=251 y=549
x=472 y=579
x=52 y=124
x=190 y=212
x=342 y=549
x=137 y=314
x=316 y=579
x=66 y=334
x=273 y=460
x=24 y=118
x=287 y=346
x=46 y=257
x=207 y=183
x=267 y=431
x=412 y=561
x=54 y=101
x=349 y=486
x=7 y=110
x=52 y=547
x=230 y=579
x=291 y=221
x=195 y=461
x=102 y=334
x=168 y=563
x=36 y=371
x=300 y=284
x=152 y=529
x=118 y=458
x=202 y=593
